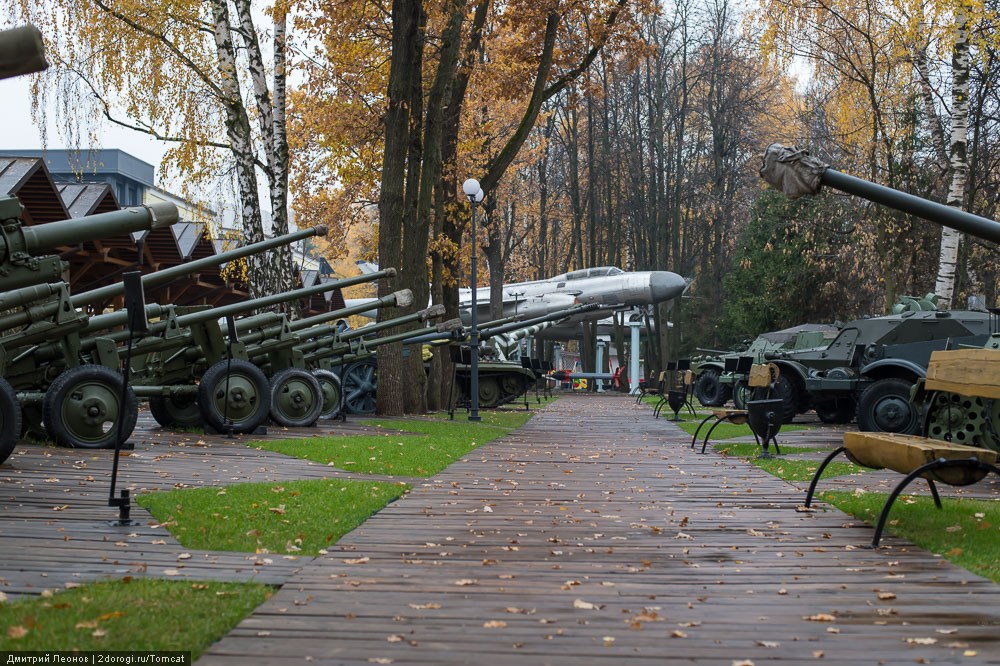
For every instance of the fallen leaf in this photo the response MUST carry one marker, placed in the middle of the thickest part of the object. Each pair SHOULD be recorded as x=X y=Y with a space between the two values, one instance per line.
x=430 y=606
x=769 y=644
x=99 y=633
x=921 y=641
x=360 y=560
x=110 y=616
x=466 y=581
x=584 y=605
x=494 y=624
x=744 y=662
x=820 y=617
x=395 y=638
x=677 y=633
x=280 y=509
x=608 y=641
x=969 y=653
x=184 y=556
x=885 y=596
x=88 y=624
x=379 y=660
x=947 y=631
x=17 y=631
x=171 y=572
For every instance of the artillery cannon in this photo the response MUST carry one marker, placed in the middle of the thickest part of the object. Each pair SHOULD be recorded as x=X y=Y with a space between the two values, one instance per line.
x=877 y=364
x=21 y=52
x=77 y=394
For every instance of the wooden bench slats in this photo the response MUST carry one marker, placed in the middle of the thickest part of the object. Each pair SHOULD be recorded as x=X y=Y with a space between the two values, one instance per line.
x=905 y=453
x=974 y=372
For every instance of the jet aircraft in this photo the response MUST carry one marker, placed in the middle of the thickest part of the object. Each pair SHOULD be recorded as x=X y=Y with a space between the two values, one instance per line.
x=608 y=286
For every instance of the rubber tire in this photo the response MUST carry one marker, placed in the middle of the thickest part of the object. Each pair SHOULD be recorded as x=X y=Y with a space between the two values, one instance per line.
x=310 y=403
x=65 y=389
x=10 y=420
x=213 y=382
x=788 y=391
x=169 y=414
x=709 y=391
x=329 y=384
x=360 y=382
x=837 y=411
x=890 y=393
x=741 y=393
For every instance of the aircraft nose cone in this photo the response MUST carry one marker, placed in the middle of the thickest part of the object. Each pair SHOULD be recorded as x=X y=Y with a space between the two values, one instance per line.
x=664 y=285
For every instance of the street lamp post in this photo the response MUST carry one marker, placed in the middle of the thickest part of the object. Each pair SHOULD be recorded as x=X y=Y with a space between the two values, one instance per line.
x=475 y=194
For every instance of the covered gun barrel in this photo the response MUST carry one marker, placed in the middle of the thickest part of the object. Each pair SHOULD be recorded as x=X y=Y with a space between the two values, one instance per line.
x=41 y=238
x=796 y=173
x=21 y=52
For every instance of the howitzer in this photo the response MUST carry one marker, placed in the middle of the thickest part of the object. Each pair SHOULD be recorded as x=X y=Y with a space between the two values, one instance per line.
x=181 y=361
x=873 y=364
x=78 y=396
x=20 y=243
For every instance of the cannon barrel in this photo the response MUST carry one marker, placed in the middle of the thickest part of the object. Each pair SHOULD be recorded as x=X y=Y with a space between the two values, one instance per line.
x=552 y=316
x=414 y=336
x=21 y=52
x=18 y=297
x=797 y=173
x=314 y=337
x=263 y=325
x=41 y=238
x=168 y=274
x=15 y=319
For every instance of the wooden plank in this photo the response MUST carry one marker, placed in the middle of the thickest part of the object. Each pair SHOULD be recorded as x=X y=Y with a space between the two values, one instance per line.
x=974 y=372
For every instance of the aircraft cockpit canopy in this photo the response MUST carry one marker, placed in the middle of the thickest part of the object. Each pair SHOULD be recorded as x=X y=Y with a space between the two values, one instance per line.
x=597 y=271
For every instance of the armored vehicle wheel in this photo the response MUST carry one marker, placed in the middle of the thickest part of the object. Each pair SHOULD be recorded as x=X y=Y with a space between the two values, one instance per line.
x=790 y=396
x=10 y=420
x=296 y=398
x=885 y=407
x=741 y=393
x=839 y=410
x=234 y=394
x=709 y=391
x=360 y=381
x=176 y=411
x=960 y=419
x=511 y=386
x=489 y=392
x=83 y=405
x=329 y=384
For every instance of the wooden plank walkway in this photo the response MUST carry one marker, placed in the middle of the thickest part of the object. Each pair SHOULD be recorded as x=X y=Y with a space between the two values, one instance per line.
x=595 y=535
x=54 y=515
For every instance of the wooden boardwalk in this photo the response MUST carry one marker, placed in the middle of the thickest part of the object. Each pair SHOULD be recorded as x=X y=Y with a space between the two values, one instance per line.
x=595 y=535
x=54 y=515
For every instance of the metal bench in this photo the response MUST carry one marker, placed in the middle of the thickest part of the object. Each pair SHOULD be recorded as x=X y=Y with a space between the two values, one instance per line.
x=760 y=376
x=914 y=456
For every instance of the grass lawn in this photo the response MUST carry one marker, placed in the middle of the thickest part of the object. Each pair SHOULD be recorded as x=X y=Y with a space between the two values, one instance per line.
x=427 y=446
x=726 y=430
x=965 y=531
x=129 y=614
x=301 y=517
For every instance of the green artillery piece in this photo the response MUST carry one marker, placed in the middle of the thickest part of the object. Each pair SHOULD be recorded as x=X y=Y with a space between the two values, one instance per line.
x=37 y=305
x=77 y=393
x=21 y=52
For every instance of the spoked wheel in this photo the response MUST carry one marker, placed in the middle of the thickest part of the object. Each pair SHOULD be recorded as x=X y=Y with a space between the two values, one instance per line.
x=885 y=407
x=176 y=411
x=961 y=419
x=360 y=382
x=82 y=408
x=296 y=398
x=234 y=394
x=10 y=420
x=329 y=384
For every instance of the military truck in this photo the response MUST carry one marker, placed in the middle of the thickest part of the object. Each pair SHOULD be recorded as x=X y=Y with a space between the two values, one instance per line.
x=714 y=385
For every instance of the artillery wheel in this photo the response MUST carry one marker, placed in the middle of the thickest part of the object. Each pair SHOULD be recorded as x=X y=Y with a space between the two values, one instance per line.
x=836 y=411
x=885 y=407
x=511 y=385
x=709 y=391
x=329 y=384
x=176 y=411
x=960 y=419
x=296 y=398
x=239 y=398
x=83 y=405
x=741 y=393
x=360 y=381
x=489 y=392
x=10 y=420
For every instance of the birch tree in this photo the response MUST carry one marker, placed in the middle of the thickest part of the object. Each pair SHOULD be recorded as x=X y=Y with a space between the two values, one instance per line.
x=195 y=75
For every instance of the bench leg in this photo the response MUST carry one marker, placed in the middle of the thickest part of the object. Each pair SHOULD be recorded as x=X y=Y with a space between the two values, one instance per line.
x=819 y=473
x=694 y=437
x=659 y=406
x=718 y=420
x=935 y=464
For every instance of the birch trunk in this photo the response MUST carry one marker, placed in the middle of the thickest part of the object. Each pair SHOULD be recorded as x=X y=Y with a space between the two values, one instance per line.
x=950 y=239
